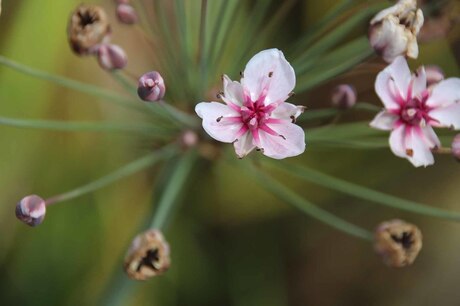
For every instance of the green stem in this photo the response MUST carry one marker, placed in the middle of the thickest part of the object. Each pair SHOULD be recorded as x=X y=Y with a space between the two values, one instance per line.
x=202 y=44
x=129 y=169
x=365 y=193
x=72 y=84
x=173 y=190
x=67 y=126
x=285 y=194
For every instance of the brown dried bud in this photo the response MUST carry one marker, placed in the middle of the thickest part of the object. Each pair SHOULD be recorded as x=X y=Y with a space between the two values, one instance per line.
x=31 y=210
x=398 y=243
x=88 y=27
x=147 y=256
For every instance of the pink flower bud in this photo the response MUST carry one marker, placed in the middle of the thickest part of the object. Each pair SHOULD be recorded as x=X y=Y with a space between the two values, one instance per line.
x=31 y=210
x=111 y=57
x=151 y=87
x=344 y=96
x=126 y=14
x=456 y=147
x=434 y=75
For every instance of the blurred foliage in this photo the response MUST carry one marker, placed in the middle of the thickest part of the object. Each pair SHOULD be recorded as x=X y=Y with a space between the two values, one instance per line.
x=232 y=243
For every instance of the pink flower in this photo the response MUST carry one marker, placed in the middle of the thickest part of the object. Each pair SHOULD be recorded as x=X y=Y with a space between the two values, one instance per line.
x=412 y=110
x=255 y=114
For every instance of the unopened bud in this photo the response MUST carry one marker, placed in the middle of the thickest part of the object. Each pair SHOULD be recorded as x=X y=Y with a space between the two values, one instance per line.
x=189 y=139
x=147 y=256
x=126 y=14
x=111 y=57
x=393 y=31
x=456 y=147
x=434 y=75
x=344 y=96
x=88 y=27
x=31 y=210
x=398 y=243
x=151 y=87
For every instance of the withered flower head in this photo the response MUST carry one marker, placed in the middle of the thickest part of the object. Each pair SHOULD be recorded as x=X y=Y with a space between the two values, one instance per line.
x=397 y=242
x=394 y=31
x=88 y=27
x=147 y=256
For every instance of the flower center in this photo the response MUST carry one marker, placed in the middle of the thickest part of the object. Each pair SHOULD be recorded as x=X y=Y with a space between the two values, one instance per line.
x=254 y=114
x=415 y=111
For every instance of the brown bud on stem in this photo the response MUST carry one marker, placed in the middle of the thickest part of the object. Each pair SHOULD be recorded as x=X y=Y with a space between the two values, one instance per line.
x=88 y=27
x=398 y=243
x=147 y=256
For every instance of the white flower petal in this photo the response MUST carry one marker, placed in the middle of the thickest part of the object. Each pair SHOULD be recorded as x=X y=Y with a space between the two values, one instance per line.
x=233 y=91
x=419 y=152
x=384 y=121
x=218 y=129
x=291 y=141
x=286 y=111
x=393 y=82
x=430 y=137
x=446 y=116
x=419 y=82
x=269 y=74
x=397 y=143
x=244 y=145
x=445 y=93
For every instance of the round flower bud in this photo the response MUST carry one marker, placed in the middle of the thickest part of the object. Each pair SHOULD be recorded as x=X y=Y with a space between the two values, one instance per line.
x=147 y=256
x=434 y=75
x=111 y=57
x=126 y=14
x=344 y=96
x=31 y=210
x=88 y=27
x=189 y=139
x=397 y=242
x=456 y=147
x=151 y=87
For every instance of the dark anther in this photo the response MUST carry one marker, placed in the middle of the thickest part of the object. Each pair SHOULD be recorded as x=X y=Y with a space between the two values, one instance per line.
x=270 y=74
x=293 y=119
x=149 y=260
x=405 y=240
x=282 y=137
x=220 y=95
x=86 y=18
x=220 y=118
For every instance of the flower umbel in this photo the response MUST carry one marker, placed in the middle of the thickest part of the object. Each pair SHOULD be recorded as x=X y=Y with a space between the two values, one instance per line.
x=394 y=31
x=255 y=114
x=412 y=110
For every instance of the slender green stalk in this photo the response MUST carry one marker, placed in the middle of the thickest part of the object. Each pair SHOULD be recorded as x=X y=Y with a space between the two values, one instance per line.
x=175 y=184
x=203 y=54
x=285 y=194
x=324 y=113
x=72 y=84
x=365 y=193
x=67 y=126
x=129 y=169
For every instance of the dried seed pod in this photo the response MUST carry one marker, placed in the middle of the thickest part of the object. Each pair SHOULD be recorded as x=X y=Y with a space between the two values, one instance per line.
x=111 y=57
x=88 y=27
x=344 y=96
x=31 y=210
x=397 y=242
x=147 y=256
x=126 y=14
x=151 y=87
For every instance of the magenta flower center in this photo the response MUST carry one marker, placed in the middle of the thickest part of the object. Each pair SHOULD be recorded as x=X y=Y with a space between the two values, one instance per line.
x=415 y=111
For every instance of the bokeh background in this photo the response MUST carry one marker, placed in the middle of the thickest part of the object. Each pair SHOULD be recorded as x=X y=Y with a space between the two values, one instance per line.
x=232 y=243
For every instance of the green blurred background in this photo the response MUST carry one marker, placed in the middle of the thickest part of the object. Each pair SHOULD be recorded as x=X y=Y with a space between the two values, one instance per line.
x=232 y=243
